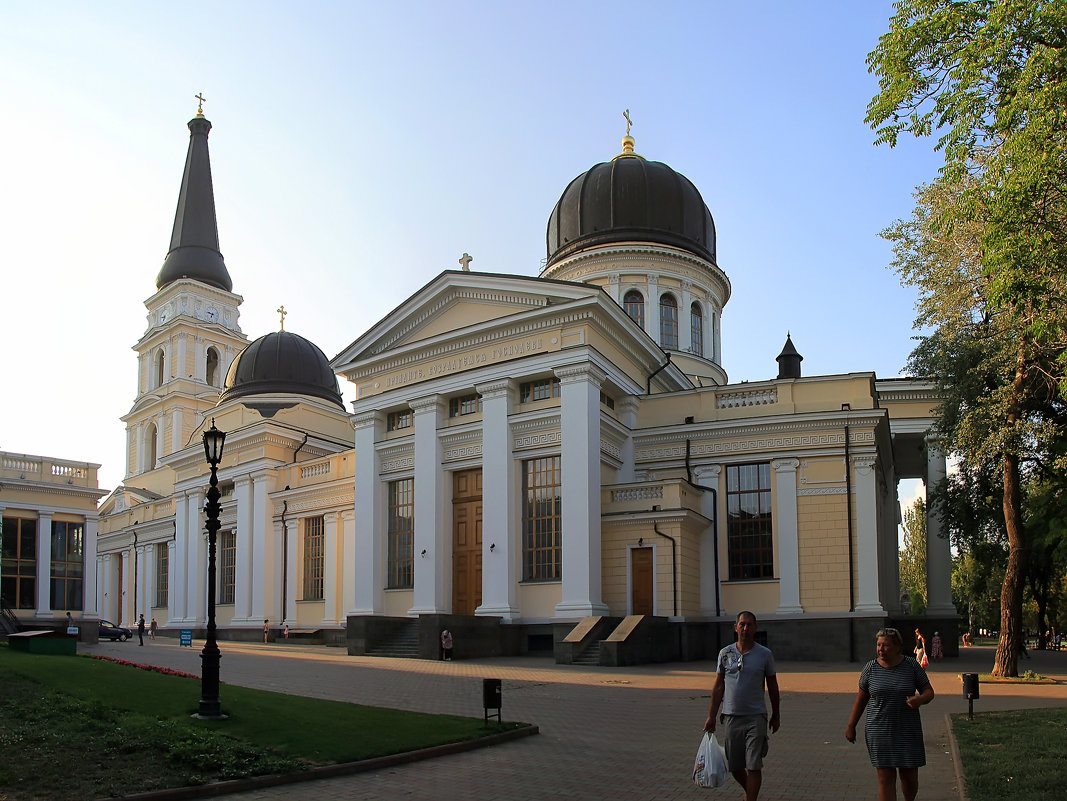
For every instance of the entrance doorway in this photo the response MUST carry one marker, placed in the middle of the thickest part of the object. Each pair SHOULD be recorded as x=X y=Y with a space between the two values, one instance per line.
x=466 y=541
x=642 y=577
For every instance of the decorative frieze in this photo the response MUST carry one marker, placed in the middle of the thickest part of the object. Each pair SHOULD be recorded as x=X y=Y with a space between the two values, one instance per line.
x=755 y=397
x=540 y=440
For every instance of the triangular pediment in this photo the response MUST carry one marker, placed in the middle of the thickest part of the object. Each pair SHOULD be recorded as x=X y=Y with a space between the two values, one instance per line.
x=456 y=302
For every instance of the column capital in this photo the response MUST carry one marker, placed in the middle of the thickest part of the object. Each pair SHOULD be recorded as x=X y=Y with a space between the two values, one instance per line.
x=710 y=471
x=574 y=373
x=628 y=404
x=785 y=465
x=653 y=280
x=864 y=464
x=430 y=403
x=503 y=388
x=367 y=419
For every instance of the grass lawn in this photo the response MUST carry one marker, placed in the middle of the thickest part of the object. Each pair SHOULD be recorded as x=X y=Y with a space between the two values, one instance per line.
x=1013 y=754
x=78 y=728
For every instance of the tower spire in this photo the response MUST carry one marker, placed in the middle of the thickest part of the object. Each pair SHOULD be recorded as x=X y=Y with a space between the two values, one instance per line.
x=194 y=241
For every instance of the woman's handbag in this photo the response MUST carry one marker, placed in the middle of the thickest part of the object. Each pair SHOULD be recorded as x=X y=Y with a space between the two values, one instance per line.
x=709 y=769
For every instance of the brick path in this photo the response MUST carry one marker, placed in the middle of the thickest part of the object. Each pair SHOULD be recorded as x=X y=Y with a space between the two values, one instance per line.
x=606 y=733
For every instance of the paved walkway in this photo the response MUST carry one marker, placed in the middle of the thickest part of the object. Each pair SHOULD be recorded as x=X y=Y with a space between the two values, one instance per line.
x=606 y=733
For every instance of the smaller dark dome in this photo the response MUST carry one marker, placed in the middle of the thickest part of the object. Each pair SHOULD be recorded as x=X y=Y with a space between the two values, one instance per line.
x=281 y=362
x=630 y=199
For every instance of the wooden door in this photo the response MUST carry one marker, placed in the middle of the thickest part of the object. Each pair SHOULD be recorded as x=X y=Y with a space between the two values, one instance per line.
x=466 y=541
x=642 y=576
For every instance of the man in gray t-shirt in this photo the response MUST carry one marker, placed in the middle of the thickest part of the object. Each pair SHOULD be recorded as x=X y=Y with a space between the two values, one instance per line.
x=742 y=670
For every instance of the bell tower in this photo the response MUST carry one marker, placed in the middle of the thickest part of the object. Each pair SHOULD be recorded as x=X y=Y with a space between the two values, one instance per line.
x=192 y=334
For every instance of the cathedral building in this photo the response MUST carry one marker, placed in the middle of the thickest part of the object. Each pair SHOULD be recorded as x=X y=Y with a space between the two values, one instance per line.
x=554 y=463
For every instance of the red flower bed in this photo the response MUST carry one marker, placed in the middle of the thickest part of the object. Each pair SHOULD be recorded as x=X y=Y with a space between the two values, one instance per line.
x=163 y=670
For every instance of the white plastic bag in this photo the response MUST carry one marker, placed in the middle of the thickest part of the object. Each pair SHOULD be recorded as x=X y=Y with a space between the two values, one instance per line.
x=709 y=769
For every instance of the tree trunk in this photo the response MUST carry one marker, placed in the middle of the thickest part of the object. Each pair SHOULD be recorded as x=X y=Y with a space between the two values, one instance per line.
x=1006 y=662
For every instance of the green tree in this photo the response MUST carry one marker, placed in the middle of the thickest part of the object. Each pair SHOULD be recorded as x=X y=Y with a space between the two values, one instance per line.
x=987 y=243
x=913 y=557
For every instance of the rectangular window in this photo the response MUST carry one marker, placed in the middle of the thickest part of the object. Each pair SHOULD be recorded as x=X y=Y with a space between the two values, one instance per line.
x=313 y=558
x=749 y=536
x=401 y=533
x=398 y=420
x=607 y=400
x=542 y=538
x=162 y=574
x=18 y=566
x=68 y=564
x=538 y=390
x=227 y=566
x=468 y=404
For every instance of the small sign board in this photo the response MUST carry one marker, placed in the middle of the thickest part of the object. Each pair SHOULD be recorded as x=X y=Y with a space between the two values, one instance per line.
x=185 y=637
x=72 y=630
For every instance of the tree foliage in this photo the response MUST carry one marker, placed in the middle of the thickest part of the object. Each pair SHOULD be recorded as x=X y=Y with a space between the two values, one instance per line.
x=987 y=243
x=913 y=557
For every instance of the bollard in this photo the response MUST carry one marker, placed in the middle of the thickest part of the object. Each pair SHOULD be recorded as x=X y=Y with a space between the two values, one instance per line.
x=970 y=692
x=491 y=697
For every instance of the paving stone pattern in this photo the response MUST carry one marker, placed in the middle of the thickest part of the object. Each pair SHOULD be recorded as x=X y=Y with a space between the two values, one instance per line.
x=606 y=733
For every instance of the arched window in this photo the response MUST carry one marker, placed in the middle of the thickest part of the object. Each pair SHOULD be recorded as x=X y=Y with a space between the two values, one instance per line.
x=160 y=365
x=211 y=372
x=634 y=305
x=668 y=321
x=696 y=327
x=150 y=447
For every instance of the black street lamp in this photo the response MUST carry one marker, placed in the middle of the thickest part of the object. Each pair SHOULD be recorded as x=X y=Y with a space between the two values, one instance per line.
x=210 y=707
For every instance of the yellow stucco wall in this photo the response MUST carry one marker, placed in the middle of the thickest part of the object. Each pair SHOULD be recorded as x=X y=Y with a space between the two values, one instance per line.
x=398 y=602
x=823 y=552
x=539 y=600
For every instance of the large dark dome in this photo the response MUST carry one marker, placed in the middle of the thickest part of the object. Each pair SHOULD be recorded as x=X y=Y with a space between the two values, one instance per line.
x=629 y=199
x=281 y=362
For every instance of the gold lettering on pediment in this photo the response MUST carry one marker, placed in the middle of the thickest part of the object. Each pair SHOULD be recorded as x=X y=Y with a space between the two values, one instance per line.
x=507 y=348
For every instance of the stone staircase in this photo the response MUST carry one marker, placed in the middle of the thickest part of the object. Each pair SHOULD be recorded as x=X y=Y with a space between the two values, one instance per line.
x=590 y=656
x=403 y=644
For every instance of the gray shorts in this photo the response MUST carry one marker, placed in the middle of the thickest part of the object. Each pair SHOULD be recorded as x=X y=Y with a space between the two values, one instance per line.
x=745 y=739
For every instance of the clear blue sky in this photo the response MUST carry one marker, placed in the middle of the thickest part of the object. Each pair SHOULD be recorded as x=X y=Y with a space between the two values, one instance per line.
x=359 y=149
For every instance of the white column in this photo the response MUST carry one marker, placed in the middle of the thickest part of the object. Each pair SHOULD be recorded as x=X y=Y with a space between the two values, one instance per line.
x=242 y=586
x=125 y=601
x=139 y=449
x=174 y=587
x=367 y=558
x=652 y=309
x=196 y=555
x=866 y=535
x=101 y=586
x=89 y=562
x=329 y=569
x=140 y=600
x=716 y=318
x=938 y=551
x=176 y=430
x=263 y=556
x=685 y=318
x=580 y=476
x=292 y=573
x=710 y=580
x=151 y=554
x=44 y=564
x=614 y=290
x=500 y=566
x=182 y=358
x=627 y=407
x=431 y=559
x=161 y=425
x=105 y=588
x=346 y=563
x=785 y=516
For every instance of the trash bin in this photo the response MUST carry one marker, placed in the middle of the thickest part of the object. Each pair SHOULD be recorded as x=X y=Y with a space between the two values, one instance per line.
x=970 y=685
x=491 y=696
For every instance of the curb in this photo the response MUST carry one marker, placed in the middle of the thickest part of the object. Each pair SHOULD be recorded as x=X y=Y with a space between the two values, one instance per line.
x=328 y=771
x=957 y=763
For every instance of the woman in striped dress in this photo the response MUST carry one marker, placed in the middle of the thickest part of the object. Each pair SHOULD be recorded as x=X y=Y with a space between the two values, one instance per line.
x=892 y=688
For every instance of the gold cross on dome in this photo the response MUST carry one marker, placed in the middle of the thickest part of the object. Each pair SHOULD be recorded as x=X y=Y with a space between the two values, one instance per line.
x=199 y=104
x=626 y=116
x=281 y=310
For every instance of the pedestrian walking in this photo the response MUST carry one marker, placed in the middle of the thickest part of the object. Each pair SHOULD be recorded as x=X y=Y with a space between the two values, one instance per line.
x=152 y=629
x=892 y=688
x=937 y=651
x=743 y=670
x=446 y=645
x=140 y=629
x=920 y=649
x=266 y=629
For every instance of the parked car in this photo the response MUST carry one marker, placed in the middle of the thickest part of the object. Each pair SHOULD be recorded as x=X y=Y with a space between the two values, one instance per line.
x=109 y=631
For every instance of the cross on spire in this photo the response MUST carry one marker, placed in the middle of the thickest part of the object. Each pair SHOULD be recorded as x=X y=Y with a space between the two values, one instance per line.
x=199 y=104
x=626 y=116
x=281 y=310
x=466 y=260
